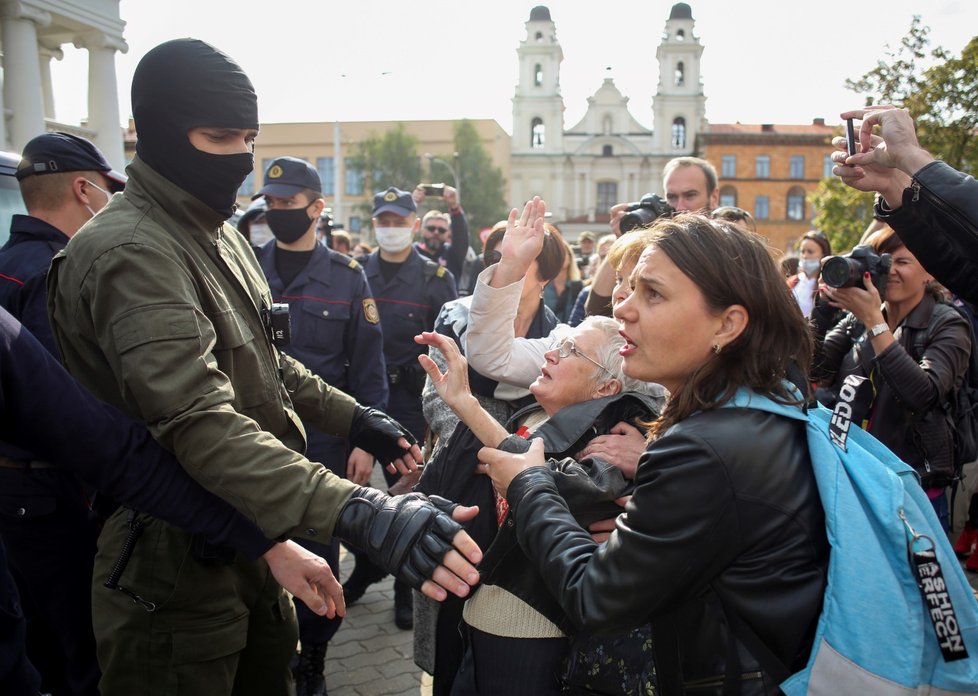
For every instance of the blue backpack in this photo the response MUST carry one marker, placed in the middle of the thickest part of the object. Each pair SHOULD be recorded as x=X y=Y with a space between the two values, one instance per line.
x=899 y=616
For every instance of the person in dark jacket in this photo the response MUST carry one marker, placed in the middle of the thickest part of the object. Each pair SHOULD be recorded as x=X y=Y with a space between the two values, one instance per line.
x=516 y=631
x=725 y=526
x=931 y=205
x=444 y=236
x=96 y=442
x=899 y=396
x=64 y=180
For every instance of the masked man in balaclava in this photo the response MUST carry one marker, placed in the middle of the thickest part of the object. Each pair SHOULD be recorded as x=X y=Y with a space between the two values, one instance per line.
x=160 y=308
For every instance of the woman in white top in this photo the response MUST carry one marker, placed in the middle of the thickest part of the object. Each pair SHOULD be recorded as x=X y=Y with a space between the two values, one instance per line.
x=804 y=286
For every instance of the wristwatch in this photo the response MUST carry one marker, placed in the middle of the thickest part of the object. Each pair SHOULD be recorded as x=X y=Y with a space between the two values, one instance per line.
x=881 y=328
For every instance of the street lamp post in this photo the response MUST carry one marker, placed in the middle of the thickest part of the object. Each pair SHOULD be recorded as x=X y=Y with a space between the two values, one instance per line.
x=454 y=170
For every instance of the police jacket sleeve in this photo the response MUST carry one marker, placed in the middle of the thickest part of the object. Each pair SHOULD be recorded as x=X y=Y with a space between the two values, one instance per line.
x=455 y=259
x=367 y=373
x=938 y=222
x=142 y=308
x=45 y=410
x=654 y=559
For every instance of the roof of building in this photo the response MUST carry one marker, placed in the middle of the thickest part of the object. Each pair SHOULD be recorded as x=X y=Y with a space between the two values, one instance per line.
x=681 y=11
x=817 y=127
x=540 y=13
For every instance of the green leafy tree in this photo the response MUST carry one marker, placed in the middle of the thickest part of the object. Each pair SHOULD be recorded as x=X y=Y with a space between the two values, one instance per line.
x=482 y=183
x=389 y=159
x=842 y=213
x=940 y=91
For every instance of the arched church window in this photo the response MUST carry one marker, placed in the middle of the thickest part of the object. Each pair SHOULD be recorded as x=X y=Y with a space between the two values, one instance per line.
x=680 y=35
x=607 y=151
x=679 y=133
x=537 y=74
x=680 y=74
x=538 y=133
x=539 y=36
x=606 y=124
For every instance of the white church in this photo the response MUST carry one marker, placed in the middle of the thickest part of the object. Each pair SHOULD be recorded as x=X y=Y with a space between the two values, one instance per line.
x=607 y=157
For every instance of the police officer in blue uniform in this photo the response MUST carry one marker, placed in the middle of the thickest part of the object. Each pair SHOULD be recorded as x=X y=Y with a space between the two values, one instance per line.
x=336 y=333
x=409 y=290
x=45 y=518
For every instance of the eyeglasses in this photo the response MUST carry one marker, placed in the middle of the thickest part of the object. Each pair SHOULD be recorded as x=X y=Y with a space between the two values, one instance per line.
x=436 y=229
x=567 y=347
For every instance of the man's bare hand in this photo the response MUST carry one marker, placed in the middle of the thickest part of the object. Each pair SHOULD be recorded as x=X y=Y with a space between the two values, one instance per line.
x=307 y=577
x=621 y=447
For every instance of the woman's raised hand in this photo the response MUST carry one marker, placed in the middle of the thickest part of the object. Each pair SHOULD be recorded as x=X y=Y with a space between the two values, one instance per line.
x=453 y=384
x=522 y=242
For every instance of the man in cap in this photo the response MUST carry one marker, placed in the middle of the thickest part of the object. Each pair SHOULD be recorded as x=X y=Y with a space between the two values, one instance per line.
x=161 y=308
x=335 y=334
x=410 y=290
x=50 y=535
x=444 y=236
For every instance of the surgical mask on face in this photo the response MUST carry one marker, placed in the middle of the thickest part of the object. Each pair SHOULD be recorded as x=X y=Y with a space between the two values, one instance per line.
x=108 y=196
x=394 y=239
x=810 y=266
x=259 y=233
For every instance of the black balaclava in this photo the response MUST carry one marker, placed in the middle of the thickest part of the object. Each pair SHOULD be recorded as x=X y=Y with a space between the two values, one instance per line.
x=184 y=84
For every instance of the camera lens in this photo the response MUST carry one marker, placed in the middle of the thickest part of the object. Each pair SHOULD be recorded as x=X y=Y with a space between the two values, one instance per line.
x=836 y=272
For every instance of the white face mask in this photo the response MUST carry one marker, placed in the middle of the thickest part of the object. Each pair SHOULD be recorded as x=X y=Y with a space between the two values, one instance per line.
x=394 y=239
x=811 y=266
x=108 y=197
x=260 y=233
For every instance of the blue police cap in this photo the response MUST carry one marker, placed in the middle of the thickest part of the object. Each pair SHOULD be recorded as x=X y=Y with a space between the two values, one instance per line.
x=54 y=153
x=286 y=176
x=394 y=200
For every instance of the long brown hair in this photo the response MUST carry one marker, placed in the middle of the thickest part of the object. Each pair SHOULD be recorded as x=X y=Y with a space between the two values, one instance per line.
x=731 y=266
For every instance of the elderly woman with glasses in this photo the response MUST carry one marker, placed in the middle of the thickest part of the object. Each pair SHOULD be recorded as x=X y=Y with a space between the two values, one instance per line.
x=515 y=629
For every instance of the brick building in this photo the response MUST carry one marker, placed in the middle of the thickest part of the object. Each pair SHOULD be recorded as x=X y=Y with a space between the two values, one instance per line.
x=770 y=170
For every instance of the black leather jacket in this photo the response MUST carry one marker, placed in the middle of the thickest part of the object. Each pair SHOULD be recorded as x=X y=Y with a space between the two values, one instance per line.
x=939 y=224
x=725 y=517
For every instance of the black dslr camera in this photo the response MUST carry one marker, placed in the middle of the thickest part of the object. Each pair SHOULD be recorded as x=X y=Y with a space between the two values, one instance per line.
x=847 y=271
x=278 y=324
x=645 y=212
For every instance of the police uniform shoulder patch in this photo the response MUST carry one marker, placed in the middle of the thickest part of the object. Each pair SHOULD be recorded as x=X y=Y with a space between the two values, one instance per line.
x=354 y=264
x=370 y=312
x=440 y=273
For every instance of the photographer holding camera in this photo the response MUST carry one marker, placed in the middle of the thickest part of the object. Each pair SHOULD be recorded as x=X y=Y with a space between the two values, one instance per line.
x=895 y=357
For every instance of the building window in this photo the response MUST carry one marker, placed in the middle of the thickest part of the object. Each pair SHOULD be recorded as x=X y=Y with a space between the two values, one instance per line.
x=679 y=133
x=728 y=196
x=538 y=133
x=537 y=74
x=324 y=165
x=354 y=178
x=680 y=35
x=607 y=196
x=796 y=203
x=728 y=167
x=538 y=36
x=247 y=187
x=827 y=165
x=760 y=208
x=607 y=125
x=355 y=223
x=796 y=167
x=606 y=150
x=680 y=74
x=762 y=167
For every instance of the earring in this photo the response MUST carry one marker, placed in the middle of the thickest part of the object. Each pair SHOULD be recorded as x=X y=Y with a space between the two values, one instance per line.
x=716 y=348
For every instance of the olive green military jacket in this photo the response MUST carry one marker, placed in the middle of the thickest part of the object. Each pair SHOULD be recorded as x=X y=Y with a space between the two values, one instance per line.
x=156 y=307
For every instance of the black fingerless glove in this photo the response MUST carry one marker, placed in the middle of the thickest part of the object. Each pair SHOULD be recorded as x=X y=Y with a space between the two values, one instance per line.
x=376 y=432
x=407 y=536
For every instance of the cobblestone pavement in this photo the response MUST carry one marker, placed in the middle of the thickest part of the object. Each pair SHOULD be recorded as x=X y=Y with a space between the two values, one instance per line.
x=369 y=654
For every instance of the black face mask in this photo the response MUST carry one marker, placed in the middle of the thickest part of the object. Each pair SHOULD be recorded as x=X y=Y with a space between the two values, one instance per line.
x=185 y=84
x=288 y=225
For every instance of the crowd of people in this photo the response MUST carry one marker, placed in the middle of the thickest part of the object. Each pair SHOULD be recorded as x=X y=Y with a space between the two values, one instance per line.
x=575 y=503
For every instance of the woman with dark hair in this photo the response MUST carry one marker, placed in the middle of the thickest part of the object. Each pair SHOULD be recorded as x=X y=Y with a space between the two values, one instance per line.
x=722 y=545
x=815 y=246
x=910 y=353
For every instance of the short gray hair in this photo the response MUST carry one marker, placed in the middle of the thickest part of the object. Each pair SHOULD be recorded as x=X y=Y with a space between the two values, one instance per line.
x=608 y=351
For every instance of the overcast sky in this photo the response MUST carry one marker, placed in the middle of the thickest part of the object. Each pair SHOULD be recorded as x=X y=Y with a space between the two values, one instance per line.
x=765 y=61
